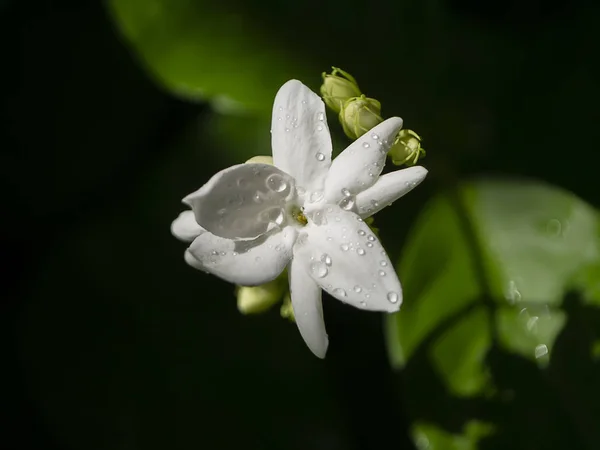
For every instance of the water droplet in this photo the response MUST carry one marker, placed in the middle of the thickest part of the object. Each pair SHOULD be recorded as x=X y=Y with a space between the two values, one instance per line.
x=371 y=238
x=357 y=289
x=315 y=196
x=340 y=292
x=370 y=244
x=278 y=248
x=346 y=192
x=326 y=259
x=234 y=253
x=257 y=259
x=541 y=350
x=383 y=263
x=359 y=219
x=361 y=232
x=304 y=102
x=347 y=203
x=257 y=198
x=366 y=145
x=330 y=239
x=214 y=252
x=321 y=116
x=338 y=219
x=319 y=269
x=554 y=228
x=392 y=297
x=320 y=156
x=374 y=136
x=375 y=203
x=276 y=183
x=320 y=128
x=513 y=295
x=360 y=251
x=280 y=108
x=363 y=303
x=344 y=247
x=382 y=273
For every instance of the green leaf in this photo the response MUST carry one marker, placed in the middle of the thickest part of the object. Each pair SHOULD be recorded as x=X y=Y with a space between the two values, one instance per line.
x=198 y=50
x=488 y=266
x=430 y=437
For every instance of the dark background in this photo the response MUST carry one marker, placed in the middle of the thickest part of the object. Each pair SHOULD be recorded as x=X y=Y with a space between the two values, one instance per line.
x=112 y=342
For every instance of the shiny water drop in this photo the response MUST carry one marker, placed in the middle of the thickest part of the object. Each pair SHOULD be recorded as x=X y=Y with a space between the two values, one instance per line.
x=361 y=232
x=287 y=130
x=276 y=183
x=374 y=136
x=346 y=192
x=234 y=253
x=541 y=350
x=257 y=259
x=320 y=156
x=315 y=196
x=375 y=203
x=360 y=251
x=257 y=198
x=340 y=292
x=321 y=116
x=325 y=258
x=371 y=238
x=392 y=297
x=214 y=252
x=319 y=269
x=320 y=128
x=347 y=203
x=383 y=263
x=370 y=244
x=357 y=289
x=330 y=239
x=382 y=273
x=344 y=247
x=363 y=303
x=366 y=145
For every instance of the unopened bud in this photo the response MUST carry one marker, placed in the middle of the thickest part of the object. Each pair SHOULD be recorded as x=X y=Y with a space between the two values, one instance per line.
x=256 y=299
x=337 y=88
x=359 y=115
x=406 y=149
x=261 y=160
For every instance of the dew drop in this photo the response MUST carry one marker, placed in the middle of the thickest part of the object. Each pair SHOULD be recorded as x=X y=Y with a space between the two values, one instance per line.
x=347 y=203
x=319 y=269
x=357 y=289
x=363 y=303
x=344 y=247
x=375 y=203
x=320 y=128
x=320 y=156
x=214 y=252
x=276 y=183
x=330 y=239
x=257 y=259
x=257 y=198
x=374 y=136
x=315 y=196
x=321 y=116
x=382 y=273
x=361 y=232
x=325 y=258
x=360 y=251
x=370 y=244
x=234 y=253
x=383 y=263
x=541 y=350
x=366 y=145
x=392 y=297
x=346 y=192
x=371 y=238
x=340 y=292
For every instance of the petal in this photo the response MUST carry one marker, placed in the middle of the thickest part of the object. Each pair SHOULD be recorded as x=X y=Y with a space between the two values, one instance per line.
x=300 y=135
x=308 y=309
x=344 y=257
x=358 y=167
x=185 y=228
x=388 y=189
x=244 y=262
x=242 y=201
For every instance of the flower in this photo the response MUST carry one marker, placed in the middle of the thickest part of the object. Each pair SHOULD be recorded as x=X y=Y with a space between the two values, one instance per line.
x=305 y=213
x=359 y=115
x=338 y=87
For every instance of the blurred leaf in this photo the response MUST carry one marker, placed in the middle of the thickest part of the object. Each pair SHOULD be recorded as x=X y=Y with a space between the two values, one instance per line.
x=200 y=50
x=490 y=265
x=430 y=437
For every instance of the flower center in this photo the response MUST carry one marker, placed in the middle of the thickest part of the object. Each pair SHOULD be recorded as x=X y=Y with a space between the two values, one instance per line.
x=298 y=215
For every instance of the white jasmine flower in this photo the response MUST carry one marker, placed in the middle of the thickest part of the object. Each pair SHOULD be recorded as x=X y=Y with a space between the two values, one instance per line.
x=251 y=221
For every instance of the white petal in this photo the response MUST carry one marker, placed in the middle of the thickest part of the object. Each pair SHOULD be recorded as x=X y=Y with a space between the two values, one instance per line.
x=359 y=165
x=242 y=201
x=300 y=135
x=244 y=262
x=185 y=228
x=308 y=309
x=389 y=188
x=347 y=260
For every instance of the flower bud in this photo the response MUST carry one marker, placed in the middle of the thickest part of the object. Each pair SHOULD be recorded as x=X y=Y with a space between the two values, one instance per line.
x=256 y=299
x=406 y=149
x=337 y=88
x=359 y=115
x=261 y=160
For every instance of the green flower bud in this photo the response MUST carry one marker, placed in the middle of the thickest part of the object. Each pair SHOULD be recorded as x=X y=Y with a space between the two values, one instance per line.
x=359 y=115
x=337 y=88
x=406 y=149
x=287 y=311
x=261 y=160
x=257 y=299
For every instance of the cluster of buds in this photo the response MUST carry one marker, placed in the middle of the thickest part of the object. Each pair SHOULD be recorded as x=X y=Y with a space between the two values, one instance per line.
x=358 y=114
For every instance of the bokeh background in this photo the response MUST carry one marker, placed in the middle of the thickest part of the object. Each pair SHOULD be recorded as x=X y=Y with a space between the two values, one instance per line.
x=112 y=112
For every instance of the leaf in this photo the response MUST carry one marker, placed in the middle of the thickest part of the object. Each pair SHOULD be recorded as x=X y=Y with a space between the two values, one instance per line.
x=199 y=50
x=430 y=437
x=489 y=267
